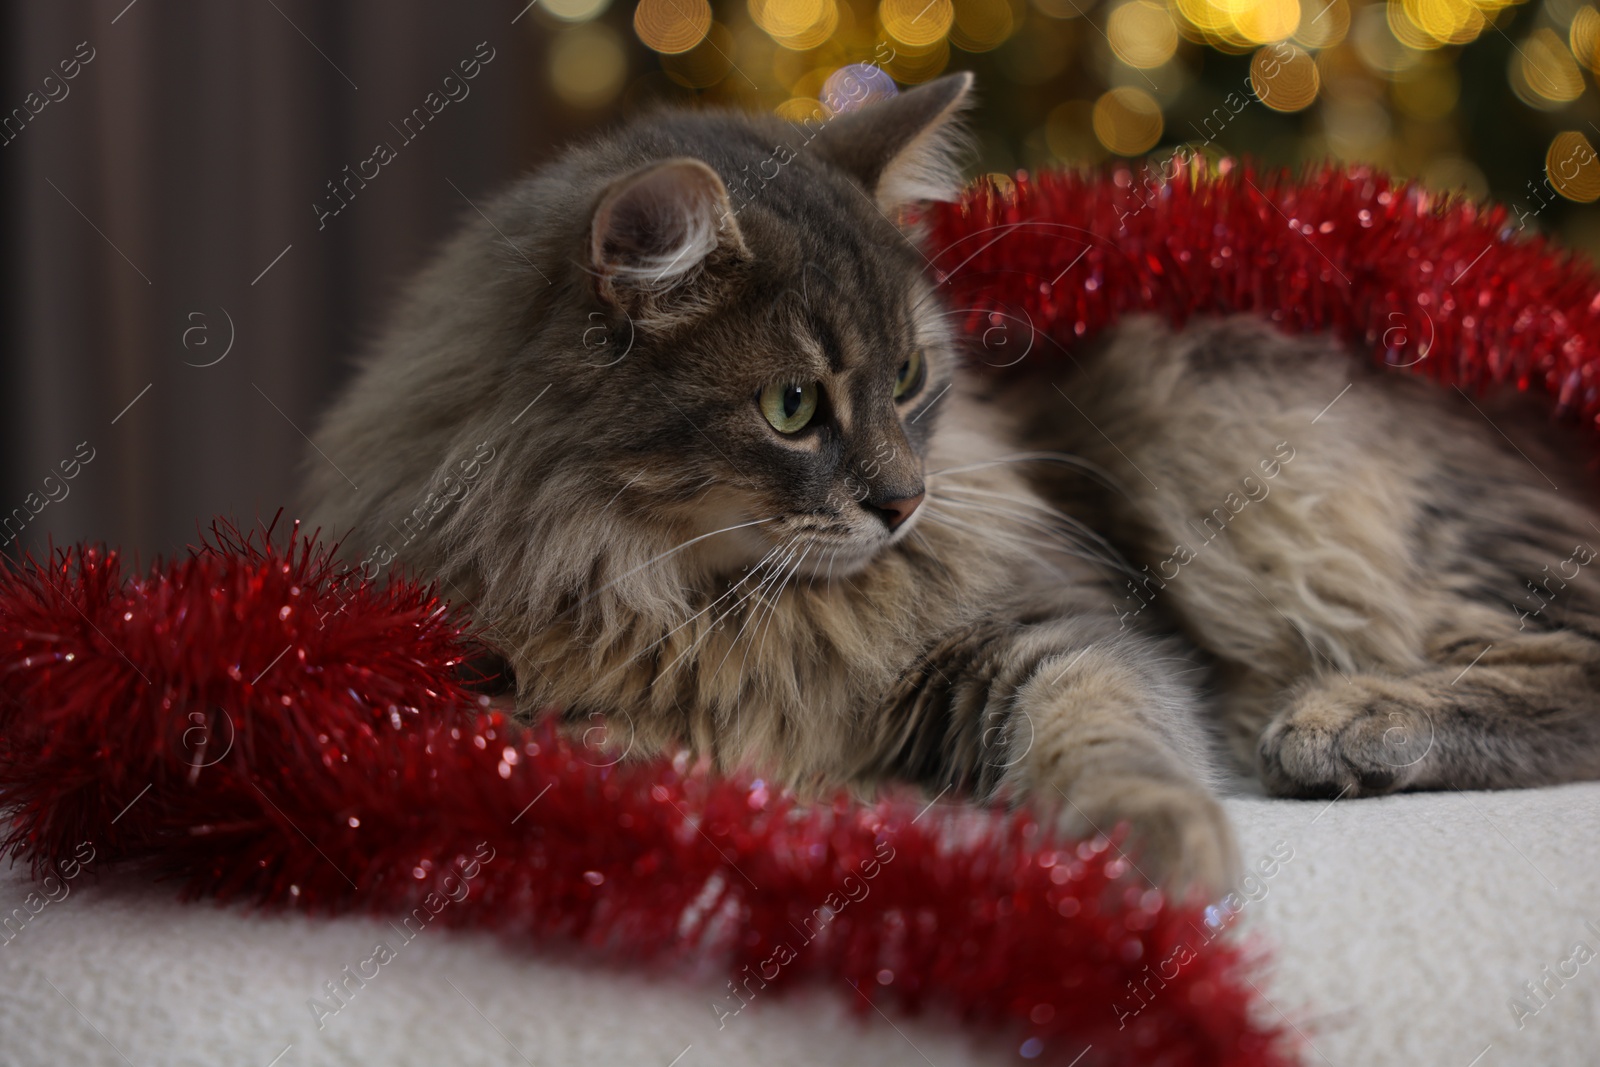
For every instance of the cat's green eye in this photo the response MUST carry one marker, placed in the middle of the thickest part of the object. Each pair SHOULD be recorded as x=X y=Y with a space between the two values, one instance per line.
x=909 y=378
x=789 y=407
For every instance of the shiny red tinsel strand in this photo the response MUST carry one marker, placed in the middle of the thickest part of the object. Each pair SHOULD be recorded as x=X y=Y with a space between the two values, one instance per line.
x=1444 y=287
x=247 y=723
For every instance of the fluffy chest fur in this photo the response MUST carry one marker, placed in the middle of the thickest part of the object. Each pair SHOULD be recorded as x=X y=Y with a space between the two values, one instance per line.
x=792 y=669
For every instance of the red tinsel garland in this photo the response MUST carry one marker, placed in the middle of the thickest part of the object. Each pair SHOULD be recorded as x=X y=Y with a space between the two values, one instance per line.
x=267 y=733
x=1441 y=285
x=263 y=731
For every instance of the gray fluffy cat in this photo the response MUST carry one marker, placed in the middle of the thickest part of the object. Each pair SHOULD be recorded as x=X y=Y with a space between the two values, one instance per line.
x=683 y=420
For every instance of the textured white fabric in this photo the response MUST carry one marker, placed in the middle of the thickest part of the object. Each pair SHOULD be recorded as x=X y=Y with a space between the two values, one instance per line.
x=1401 y=930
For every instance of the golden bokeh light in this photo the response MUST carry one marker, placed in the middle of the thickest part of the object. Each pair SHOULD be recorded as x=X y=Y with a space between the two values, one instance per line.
x=913 y=67
x=1404 y=29
x=1584 y=37
x=808 y=86
x=575 y=10
x=803 y=109
x=1543 y=73
x=1265 y=21
x=1142 y=34
x=1284 y=77
x=799 y=25
x=1237 y=26
x=1449 y=21
x=671 y=26
x=1327 y=28
x=1205 y=18
x=981 y=25
x=1380 y=82
x=587 y=65
x=1127 y=120
x=1572 y=168
x=1208 y=23
x=917 y=23
x=1375 y=43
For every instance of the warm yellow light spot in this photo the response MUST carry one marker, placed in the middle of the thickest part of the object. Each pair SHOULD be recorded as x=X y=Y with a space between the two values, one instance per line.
x=817 y=34
x=1142 y=34
x=1406 y=31
x=1572 y=168
x=1208 y=18
x=785 y=18
x=1263 y=21
x=981 y=24
x=587 y=65
x=1238 y=26
x=1375 y=43
x=705 y=64
x=1543 y=72
x=799 y=25
x=1284 y=77
x=917 y=23
x=1584 y=37
x=801 y=109
x=912 y=67
x=575 y=10
x=1326 y=25
x=671 y=26
x=1127 y=121
x=808 y=86
x=1431 y=23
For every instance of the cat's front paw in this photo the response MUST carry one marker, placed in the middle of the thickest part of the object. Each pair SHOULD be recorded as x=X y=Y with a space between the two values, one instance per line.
x=1179 y=837
x=1362 y=738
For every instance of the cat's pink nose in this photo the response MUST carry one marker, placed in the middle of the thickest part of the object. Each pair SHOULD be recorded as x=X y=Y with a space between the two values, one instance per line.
x=895 y=512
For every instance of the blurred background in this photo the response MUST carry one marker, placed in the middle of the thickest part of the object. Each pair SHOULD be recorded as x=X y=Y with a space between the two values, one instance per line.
x=192 y=265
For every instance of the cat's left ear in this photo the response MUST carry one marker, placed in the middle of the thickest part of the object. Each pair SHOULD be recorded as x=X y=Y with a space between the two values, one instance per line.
x=658 y=232
x=906 y=148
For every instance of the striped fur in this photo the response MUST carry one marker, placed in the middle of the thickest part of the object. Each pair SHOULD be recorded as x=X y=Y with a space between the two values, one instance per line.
x=1410 y=603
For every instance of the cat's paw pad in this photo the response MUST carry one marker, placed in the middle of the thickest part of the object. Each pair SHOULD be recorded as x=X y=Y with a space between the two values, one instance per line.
x=1358 y=740
x=1179 y=837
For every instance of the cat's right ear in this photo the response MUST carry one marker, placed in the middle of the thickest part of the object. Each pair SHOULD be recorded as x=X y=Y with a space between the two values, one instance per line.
x=659 y=236
x=907 y=148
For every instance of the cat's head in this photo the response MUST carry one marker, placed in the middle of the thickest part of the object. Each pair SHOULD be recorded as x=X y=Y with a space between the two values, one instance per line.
x=704 y=322
x=785 y=344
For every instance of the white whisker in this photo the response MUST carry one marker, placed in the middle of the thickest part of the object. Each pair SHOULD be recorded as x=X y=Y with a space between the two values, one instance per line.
x=1094 y=470
x=657 y=559
x=1062 y=538
x=1031 y=547
x=1090 y=538
x=712 y=627
x=750 y=615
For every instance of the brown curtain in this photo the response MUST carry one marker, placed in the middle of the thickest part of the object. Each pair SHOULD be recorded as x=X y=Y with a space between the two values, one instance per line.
x=167 y=188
